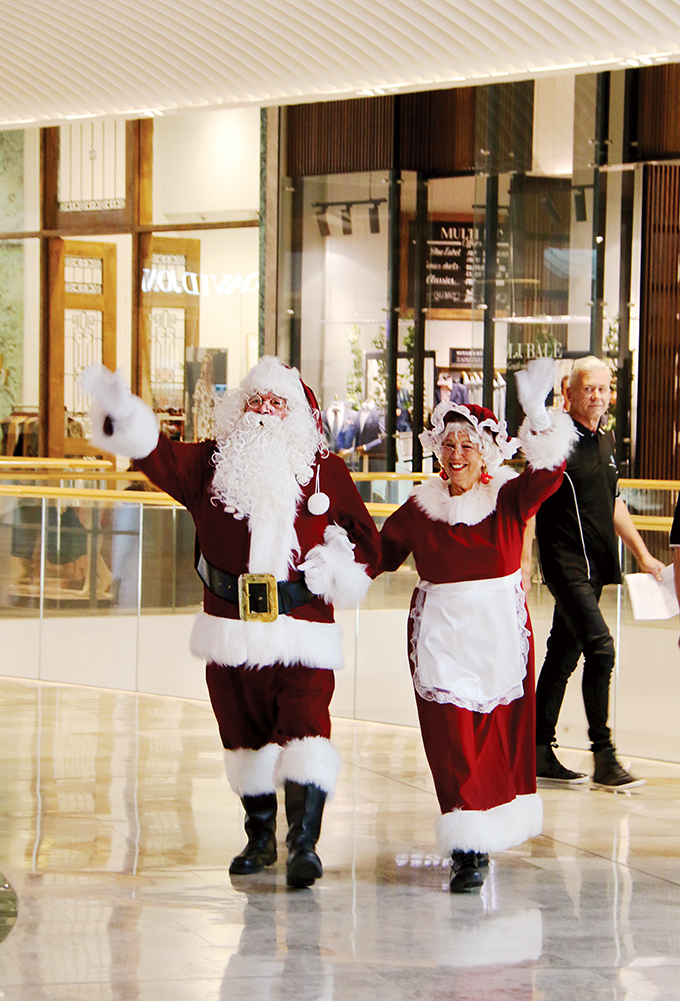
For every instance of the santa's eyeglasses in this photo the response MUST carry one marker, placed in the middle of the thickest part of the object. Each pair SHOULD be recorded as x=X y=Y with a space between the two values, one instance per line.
x=277 y=404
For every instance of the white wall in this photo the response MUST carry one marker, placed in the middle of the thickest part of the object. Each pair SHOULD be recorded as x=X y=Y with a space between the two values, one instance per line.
x=206 y=166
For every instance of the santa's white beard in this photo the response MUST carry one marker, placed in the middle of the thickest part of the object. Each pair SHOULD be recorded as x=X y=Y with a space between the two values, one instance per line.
x=259 y=466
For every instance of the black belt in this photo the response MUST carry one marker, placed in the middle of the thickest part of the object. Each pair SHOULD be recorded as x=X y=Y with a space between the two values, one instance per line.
x=260 y=597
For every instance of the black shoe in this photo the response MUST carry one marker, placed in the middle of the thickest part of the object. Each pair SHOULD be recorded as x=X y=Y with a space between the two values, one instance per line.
x=260 y=825
x=304 y=810
x=548 y=767
x=610 y=774
x=483 y=860
x=465 y=872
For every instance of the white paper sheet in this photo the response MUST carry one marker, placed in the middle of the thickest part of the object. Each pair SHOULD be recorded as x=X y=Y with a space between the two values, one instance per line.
x=650 y=598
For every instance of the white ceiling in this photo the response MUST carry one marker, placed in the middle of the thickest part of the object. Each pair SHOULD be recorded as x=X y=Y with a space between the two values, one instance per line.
x=64 y=59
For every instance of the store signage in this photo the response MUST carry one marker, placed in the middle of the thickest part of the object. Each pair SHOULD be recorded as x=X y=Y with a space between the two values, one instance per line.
x=525 y=352
x=455 y=263
x=195 y=283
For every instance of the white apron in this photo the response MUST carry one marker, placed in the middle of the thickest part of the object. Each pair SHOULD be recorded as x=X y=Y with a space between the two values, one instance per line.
x=470 y=642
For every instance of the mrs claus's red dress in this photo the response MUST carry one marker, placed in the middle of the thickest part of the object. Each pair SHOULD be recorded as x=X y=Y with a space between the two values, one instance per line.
x=471 y=647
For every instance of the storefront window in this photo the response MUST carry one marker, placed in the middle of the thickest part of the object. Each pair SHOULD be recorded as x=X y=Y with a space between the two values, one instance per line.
x=19 y=347
x=198 y=321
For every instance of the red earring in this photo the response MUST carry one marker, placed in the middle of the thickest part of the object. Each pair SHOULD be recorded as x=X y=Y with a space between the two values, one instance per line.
x=485 y=477
x=444 y=475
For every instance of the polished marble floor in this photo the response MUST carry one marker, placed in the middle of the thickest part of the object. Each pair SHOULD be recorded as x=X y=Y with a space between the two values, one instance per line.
x=117 y=827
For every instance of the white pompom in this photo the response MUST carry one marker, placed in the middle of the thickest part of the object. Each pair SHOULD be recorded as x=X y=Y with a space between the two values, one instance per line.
x=318 y=503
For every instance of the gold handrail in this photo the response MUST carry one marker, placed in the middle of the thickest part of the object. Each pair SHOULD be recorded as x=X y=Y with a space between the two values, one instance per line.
x=7 y=462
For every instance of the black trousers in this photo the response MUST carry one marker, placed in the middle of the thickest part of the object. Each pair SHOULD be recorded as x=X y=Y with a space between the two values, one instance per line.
x=578 y=627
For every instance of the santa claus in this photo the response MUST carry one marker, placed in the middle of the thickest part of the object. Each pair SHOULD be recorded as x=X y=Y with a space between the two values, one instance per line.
x=282 y=537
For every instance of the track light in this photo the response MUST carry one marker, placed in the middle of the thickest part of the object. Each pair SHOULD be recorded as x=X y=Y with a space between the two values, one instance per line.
x=346 y=220
x=324 y=228
x=374 y=218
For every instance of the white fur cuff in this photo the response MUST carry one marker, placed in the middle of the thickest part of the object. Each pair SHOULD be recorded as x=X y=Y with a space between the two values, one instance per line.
x=549 y=449
x=332 y=573
x=233 y=643
x=309 y=761
x=491 y=830
x=135 y=435
x=251 y=773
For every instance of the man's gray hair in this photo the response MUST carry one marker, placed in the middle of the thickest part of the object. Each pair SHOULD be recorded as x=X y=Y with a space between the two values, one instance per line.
x=583 y=366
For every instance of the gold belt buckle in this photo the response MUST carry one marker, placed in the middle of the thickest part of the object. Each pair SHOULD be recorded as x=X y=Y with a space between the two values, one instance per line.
x=258 y=597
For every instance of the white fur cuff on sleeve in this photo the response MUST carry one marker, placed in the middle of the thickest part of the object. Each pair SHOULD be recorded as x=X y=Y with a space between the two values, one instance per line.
x=548 y=449
x=333 y=573
x=135 y=435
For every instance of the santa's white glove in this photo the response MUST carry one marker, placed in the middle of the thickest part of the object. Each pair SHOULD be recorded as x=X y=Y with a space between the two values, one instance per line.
x=533 y=385
x=121 y=422
x=108 y=390
x=331 y=572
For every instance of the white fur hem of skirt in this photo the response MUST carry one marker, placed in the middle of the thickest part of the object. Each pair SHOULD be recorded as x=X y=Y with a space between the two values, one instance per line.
x=287 y=641
x=309 y=761
x=251 y=773
x=491 y=830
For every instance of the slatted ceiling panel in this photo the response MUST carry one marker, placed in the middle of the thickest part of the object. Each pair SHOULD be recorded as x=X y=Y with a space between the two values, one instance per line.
x=124 y=57
x=658 y=452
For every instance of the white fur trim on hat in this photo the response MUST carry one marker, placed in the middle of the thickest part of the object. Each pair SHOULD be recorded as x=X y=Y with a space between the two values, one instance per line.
x=251 y=773
x=491 y=830
x=233 y=643
x=271 y=376
x=333 y=573
x=309 y=761
x=135 y=435
x=468 y=508
x=548 y=449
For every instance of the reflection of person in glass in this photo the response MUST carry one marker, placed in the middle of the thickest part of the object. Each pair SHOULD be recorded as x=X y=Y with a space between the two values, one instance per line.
x=470 y=640
x=284 y=537
x=203 y=400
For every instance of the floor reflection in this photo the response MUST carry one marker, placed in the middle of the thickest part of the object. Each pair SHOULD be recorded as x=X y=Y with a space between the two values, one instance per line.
x=118 y=827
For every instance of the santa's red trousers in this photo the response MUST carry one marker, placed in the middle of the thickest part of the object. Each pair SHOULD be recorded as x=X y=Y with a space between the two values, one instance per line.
x=255 y=706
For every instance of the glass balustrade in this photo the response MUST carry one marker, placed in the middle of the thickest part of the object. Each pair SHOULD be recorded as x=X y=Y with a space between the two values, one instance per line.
x=97 y=587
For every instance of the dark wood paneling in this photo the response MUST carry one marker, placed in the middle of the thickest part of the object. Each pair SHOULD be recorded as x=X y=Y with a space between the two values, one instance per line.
x=432 y=132
x=658 y=111
x=657 y=452
x=504 y=116
x=340 y=137
x=438 y=131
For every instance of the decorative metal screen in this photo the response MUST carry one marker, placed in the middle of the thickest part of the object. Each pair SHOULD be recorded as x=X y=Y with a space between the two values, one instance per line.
x=83 y=275
x=167 y=358
x=92 y=166
x=82 y=347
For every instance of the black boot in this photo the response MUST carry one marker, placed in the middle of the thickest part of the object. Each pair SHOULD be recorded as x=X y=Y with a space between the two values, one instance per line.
x=465 y=872
x=304 y=810
x=260 y=825
x=549 y=767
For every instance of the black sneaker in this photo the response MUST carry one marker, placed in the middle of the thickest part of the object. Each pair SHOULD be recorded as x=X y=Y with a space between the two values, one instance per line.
x=548 y=767
x=610 y=774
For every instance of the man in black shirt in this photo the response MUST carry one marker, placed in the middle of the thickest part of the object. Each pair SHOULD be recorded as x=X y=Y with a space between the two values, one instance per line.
x=577 y=531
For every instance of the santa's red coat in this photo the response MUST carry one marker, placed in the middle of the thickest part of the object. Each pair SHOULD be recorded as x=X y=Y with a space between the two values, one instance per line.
x=309 y=634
